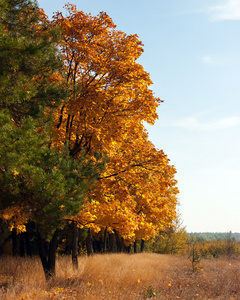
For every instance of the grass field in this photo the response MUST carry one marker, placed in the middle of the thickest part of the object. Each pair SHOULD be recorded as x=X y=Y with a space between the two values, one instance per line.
x=121 y=276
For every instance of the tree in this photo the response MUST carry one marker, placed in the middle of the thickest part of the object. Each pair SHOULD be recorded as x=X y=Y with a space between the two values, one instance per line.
x=172 y=240
x=108 y=89
x=38 y=182
x=29 y=62
x=136 y=201
x=109 y=100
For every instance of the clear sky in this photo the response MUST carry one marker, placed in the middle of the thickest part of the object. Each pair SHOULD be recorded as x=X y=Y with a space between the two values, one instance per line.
x=192 y=52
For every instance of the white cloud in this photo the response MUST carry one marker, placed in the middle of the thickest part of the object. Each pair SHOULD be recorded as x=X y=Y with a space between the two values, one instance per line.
x=230 y=10
x=192 y=123
x=210 y=60
x=216 y=60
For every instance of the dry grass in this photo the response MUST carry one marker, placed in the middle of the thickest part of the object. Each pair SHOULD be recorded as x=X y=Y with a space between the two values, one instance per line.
x=121 y=276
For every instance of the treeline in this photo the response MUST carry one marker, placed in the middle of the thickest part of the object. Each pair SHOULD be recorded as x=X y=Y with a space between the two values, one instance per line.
x=77 y=170
x=214 y=236
x=178 y=241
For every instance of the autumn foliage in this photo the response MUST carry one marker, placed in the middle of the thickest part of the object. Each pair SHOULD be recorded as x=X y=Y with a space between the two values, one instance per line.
x=109 y=99
x=73 y=124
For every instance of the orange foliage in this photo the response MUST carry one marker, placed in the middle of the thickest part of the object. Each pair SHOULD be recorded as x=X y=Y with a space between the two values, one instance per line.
x=15 y=217
x=110 y=90
x=109 y=100
x=136 y=195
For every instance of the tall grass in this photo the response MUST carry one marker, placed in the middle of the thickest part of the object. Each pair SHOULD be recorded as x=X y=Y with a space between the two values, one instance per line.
x=122 y=276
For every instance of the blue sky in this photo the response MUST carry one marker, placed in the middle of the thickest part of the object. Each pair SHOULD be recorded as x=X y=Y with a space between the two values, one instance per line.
x=192 y=52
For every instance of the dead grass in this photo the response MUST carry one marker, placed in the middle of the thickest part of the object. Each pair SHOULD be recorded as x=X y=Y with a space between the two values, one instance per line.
x=121 y=276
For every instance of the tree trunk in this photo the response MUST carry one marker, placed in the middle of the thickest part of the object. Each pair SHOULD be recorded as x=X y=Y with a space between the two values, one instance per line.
x=111 y=243
x=89 y=243
x=128 y=249
x=105 y=241
x=75 y=246
x=48 y=255
x=42 y=253
x=135 y=247
x=22 y=244
x=52 y=254
x=14 y=242
x=122 y=245
x=27 y=238
x=1 y=250
x=142 y=245
x=118 y=242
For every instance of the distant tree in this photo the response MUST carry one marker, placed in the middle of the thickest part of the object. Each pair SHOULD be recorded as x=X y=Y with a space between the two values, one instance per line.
x=172 y=241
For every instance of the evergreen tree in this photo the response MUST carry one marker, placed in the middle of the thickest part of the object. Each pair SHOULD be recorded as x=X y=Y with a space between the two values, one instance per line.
x=28 y=59
x=38 y=183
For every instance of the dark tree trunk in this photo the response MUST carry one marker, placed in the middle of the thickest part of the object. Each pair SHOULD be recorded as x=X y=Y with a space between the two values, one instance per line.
x=142 y=245
x=14 y=242
x=105 y=241
x=118 y=242
x=27 y=239
x=122 y=249
x=75 y=246
x=97 y=246
x=111 y=243
x=47 y=253
x=135 y=247
x=128 y=249
x=89 y=243
x=52 y=255
x=22 y=244
x=42 y=252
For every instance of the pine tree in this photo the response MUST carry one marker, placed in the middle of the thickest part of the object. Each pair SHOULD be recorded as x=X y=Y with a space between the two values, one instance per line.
x=28 y=59
x=38 y=183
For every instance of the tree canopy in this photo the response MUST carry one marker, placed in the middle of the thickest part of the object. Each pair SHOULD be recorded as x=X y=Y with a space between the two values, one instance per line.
x=110 y=98
x=73 y=147
x=39 y=183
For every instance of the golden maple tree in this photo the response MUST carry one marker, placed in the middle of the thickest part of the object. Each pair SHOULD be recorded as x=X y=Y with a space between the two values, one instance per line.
x=136 y=195
x=109 y=99
x=108 y=89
